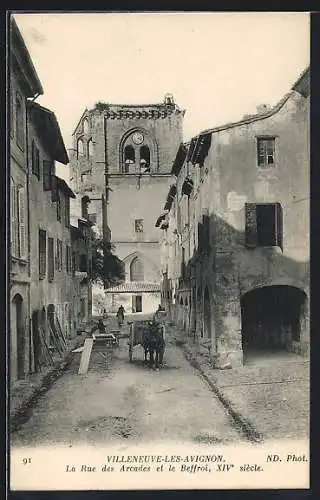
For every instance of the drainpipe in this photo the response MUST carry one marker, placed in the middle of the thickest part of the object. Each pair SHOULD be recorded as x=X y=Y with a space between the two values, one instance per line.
x=29 y=233
x=28 y=239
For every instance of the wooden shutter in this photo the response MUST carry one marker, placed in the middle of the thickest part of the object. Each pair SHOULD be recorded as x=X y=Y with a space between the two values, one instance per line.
x=279 y=225
x=22 y=223
x=42 y=253
x=50 y=259
x=54 y=188
x=251 y=236
x=47 y=172
x=14 y=221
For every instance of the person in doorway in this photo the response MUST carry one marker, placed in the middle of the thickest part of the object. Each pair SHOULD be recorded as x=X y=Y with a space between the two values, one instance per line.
x=120 y=316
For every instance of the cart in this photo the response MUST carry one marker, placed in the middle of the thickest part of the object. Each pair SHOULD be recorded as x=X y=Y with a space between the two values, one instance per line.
x=139 y=329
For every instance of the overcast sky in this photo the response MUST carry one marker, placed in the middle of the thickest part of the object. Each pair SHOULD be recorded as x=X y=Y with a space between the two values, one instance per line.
x=218 y=66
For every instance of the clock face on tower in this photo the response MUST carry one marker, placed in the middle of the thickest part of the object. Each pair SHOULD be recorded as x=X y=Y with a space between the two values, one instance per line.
x=137 y=138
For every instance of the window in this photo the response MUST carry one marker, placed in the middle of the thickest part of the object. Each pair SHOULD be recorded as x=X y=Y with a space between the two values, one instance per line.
x=22 y=222
x=144 y=159
x=264 y=225
x=68 y=259
x=74 y=263
x=54 y=189
x=42 y=253
x=50 y=259
x=85 y=200
x=14 y=221
x=59 y=256
x=85 y=125
x=138 y=225
x=35 y=160
x=79 y=148
x=129 y=158
x=58 y=207
x=136 y=270
x=266 y=151
x=90 y=148
x=47 y=173
x=67 y=211
x=19 y=121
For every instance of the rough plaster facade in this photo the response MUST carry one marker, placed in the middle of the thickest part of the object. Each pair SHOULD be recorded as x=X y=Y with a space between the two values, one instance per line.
x=136 y=188
x=24 y=83
x=210 y=300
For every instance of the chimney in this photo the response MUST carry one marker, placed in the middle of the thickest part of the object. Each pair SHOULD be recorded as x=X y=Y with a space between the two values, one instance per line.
x=263 y=108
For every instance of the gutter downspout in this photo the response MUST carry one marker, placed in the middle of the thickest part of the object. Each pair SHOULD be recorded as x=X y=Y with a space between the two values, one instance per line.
x=31 y=357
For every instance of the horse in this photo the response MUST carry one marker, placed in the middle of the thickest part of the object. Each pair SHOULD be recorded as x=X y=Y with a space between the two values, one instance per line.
x=153 y=343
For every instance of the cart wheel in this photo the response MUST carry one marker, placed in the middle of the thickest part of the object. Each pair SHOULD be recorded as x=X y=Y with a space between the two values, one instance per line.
x=130 y=354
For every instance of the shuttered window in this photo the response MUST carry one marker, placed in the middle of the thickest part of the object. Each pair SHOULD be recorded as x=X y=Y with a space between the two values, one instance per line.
x=50 y=259
x=54 y=188
x=47 y=173
x=58 y=208
x=264 y=225
x=22 y=223
x=35 y=160
x=42 y=253
x=14 y=222
x=67 y=211
x=59 y=255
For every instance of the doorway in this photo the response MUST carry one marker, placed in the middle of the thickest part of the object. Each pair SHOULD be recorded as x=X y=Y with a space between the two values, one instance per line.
x=17 y=339
x=137 y=303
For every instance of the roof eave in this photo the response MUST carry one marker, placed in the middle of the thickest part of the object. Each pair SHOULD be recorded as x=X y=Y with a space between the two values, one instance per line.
x=33 y=81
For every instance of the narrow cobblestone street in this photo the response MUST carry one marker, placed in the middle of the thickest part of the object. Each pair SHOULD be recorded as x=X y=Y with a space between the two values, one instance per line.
x=118 y=401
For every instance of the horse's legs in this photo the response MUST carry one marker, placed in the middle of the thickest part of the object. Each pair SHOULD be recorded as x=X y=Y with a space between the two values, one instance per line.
x=157 y=358
x=151 y=353
x=161 y=353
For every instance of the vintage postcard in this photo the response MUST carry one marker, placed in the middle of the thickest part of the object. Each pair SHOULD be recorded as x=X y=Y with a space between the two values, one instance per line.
x=159 y=250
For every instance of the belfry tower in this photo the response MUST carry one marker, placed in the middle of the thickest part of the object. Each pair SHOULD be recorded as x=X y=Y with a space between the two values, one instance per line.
x=124 y=153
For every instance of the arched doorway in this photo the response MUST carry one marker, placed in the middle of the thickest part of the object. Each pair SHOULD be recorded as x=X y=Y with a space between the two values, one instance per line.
x=271 y=318
x=207 y=314
x=17 y=339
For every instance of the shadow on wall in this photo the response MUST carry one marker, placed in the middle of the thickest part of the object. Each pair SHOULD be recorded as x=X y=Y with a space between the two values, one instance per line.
x=244 y=289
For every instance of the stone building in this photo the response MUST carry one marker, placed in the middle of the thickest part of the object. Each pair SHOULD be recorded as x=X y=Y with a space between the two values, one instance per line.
x=43 y=281
x=24 y=84
x=235 y=233
x=120 y=168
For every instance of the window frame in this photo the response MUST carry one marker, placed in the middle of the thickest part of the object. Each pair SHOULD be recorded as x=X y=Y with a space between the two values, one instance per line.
x=43 y=252
x=22 y=222
x=266 y=139
x=136 y=223
x=51 y=255
x=252 y=236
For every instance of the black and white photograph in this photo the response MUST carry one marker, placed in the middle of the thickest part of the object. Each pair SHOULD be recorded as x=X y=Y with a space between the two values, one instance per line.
x=158 y=250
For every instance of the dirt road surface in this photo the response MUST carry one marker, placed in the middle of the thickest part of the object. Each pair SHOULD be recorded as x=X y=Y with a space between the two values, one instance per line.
x=118 y=401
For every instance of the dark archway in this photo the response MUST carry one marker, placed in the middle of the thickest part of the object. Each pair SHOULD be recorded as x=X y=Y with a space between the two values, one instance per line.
x=18 y=338
x=271 y=317
x=207 y=314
